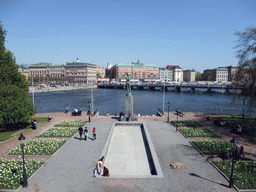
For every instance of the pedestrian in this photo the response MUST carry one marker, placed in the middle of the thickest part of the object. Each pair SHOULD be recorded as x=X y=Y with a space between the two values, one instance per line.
x=105 y=172
x=35 y=124
x=94 y=133
x=99 y=167
x=241 y=153
x=85 y=133
x=80 y=129
x=67 y=110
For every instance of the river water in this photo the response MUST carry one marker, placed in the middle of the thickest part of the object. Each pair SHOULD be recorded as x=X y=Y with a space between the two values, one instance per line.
x=145 y=102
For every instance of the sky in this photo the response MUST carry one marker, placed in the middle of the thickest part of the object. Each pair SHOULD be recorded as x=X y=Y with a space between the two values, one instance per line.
x=194 y=34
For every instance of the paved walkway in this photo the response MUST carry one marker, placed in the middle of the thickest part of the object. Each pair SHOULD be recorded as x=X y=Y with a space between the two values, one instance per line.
x=71 y=168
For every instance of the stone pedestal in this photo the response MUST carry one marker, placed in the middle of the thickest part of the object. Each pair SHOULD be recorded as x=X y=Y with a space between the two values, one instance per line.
x=128 y=105
x=129 y=116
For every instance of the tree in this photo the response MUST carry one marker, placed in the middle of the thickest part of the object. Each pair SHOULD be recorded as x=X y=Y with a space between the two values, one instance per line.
x=16 y=108
x=245 y=78
x=198 y=76
x=246 y=75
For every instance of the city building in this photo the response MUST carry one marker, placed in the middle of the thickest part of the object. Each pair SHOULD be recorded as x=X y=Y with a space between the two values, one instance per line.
x=75 y=72
x=189 y=75
x=23 y=69
x=141 y=71
x=177 y=72
x=165 y=74
x=100 y=72
x=81 y=72
x=219 y=74
x=232 y=70
x=47 y=71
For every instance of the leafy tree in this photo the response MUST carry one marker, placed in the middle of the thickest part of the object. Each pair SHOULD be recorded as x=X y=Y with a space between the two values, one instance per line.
x=198 y=76
x=15 y=106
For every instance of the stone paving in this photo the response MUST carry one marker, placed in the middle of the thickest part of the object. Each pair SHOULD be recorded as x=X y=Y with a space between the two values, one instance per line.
x=71 y=168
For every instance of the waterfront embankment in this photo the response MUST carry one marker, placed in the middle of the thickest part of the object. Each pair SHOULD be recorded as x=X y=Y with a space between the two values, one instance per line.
x=60 y=88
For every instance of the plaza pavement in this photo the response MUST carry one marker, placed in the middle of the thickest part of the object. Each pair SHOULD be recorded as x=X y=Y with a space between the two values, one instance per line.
x=71 y=169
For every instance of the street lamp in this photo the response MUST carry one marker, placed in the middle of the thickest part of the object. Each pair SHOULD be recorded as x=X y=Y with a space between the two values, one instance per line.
x=234 y=150
x=243 y=109
x=168 y=111
x=25 y=181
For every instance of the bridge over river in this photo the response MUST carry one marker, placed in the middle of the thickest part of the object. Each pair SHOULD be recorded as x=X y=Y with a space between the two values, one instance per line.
x=176 y=88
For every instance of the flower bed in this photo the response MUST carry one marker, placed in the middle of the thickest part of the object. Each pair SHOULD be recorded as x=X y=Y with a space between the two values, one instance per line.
x=39 y=147
x=57 y=132
x=70 y=123
x=215 y=147
x=244 y=173
x=11 y=172
x=187 y=123
x=199 y=133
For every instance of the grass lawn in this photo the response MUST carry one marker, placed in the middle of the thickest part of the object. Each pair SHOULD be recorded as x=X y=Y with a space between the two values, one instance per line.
x=248 y=124
x=7 y=135
x=41 y=119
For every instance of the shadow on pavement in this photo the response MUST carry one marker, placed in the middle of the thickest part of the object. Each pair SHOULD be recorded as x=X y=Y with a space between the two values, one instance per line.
x=195 y=175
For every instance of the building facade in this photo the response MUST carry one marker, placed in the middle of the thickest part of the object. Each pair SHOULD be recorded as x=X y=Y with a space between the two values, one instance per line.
x=141 y=71
x=100 y=72
x=219 y=74
x=70 y=72
x=232 y=70
x=165 y=74
x=81 y=72
x=47 y=70
x=189 y=75
x=177 y=72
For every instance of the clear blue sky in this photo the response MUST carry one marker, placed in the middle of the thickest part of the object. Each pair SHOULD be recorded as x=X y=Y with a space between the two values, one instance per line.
x=195 y=34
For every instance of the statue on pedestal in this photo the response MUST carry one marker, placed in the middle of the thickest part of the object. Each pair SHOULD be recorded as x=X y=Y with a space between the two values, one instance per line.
x=128 y=83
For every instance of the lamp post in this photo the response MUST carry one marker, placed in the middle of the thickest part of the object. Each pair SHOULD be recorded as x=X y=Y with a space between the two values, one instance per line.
x=243 y=109
x=25 y=181
x=168 y=111
x=231 y=180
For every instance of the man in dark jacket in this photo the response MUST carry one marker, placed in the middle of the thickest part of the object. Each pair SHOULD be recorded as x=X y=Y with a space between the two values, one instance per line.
x=80 y=129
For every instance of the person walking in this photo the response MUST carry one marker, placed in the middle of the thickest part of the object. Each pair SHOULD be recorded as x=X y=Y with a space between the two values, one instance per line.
x=80 y=129
x=34 y=124
x=94 y=133
x=85 y=133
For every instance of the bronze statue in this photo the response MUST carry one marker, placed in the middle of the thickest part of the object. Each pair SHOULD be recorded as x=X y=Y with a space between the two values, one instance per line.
x=128 y=84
